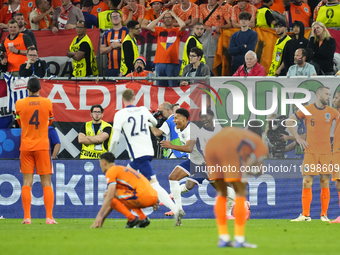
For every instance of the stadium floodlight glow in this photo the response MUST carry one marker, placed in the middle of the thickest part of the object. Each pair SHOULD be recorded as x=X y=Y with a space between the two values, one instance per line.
x=238 y=100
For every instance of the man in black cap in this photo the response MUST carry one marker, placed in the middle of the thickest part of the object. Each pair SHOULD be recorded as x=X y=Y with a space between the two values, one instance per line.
x=277 y=67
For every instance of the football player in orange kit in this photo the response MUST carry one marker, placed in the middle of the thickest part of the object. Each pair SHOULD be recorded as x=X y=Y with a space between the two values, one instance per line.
x=127 y=189
x=318 y=150
x=228 y=154
x=34 y=114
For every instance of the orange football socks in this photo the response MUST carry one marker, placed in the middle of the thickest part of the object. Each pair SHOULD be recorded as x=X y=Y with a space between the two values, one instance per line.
x=48 y=201
x=220 y=210
x=120 y=207
x=306 y=201
x=240 y=216
x=26 y=198
x=324 y=200
x=140 y=213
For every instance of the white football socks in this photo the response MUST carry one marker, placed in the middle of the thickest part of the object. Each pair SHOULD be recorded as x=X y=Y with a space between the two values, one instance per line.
x=163 y=196
x=183 y=188
x=176 y=193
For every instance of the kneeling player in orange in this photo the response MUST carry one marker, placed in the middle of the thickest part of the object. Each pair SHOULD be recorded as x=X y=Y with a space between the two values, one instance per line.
x=228 y=153
x=127 y=189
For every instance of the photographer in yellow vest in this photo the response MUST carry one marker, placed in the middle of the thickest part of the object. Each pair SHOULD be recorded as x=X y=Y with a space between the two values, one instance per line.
x=82 y=53
x=130 y=48
x=95 y=135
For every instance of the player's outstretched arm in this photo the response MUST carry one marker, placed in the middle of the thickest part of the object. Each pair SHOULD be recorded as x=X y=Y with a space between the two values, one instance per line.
x=188 y=147
x=98 y=223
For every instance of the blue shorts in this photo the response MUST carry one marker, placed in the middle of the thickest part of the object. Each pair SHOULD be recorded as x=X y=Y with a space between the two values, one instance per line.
x=143 y=165
x=194 y=171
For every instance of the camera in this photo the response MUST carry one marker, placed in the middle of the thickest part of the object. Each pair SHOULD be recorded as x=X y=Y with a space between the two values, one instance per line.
x=159 y=117
x=276 y=129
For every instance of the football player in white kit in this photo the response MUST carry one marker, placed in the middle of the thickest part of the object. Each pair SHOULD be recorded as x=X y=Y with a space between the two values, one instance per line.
x=134 y=123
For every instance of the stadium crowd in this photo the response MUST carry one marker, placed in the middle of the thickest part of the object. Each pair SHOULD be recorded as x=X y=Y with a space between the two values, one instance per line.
x=122 y=21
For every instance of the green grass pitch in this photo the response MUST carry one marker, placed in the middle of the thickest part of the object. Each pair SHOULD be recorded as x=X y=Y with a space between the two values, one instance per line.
x=74 y=236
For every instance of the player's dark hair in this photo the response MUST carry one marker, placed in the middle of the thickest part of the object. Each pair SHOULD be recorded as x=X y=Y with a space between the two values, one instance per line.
x=97 y=106
x=108 y=156
x=33 y=85
x=244 y=16
x=183 y=112
x=258 y=127
x=197 y=51
x=209 y=111
x=132 y=23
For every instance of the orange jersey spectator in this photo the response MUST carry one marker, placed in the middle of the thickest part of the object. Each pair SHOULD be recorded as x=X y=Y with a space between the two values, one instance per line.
x=167 y=45
x=188 y=12
x=218 y=18
x=99 y=7
x=318 y=127
x=278 y=6
x=240 y=7
x=31 y=111
x=138 y=14
x=7 y=13
x=157 y=8
x=298 y=11
x=29 y=4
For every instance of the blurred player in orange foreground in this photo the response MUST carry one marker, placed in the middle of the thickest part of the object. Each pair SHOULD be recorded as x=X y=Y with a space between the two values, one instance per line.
x=34 y=115
x=228 y=153
x=318 y=150
x=336 y=152
x=127 y=189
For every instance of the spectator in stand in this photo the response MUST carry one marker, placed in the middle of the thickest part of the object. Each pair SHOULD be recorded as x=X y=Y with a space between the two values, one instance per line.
x=192 y=41
x=111 y=44
x=264 y=16
x=242 y=41
x=251 y=66
x=40 y=16
x=277 y=66
x=8 y=12
x=215 y=16
x=323 y=46
x=297 y=10
x=153 y=13
x=34 y=65
x=278 y=6
x=91 y=20
x=167 y=54
x=19 y=17
x=329 y=14
x=16 y=45
x=66 y=17
x=140 y=71
x=130 y=48
x=59 y=3
x=243 y=6
x=186 y=11
x=298 y=41
x=98 y=6
x=301 y=67
x=82 y=53
x=104 y=17
x=27 y=4
x=133 y=11
x=54 y=142
x=196 y=68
